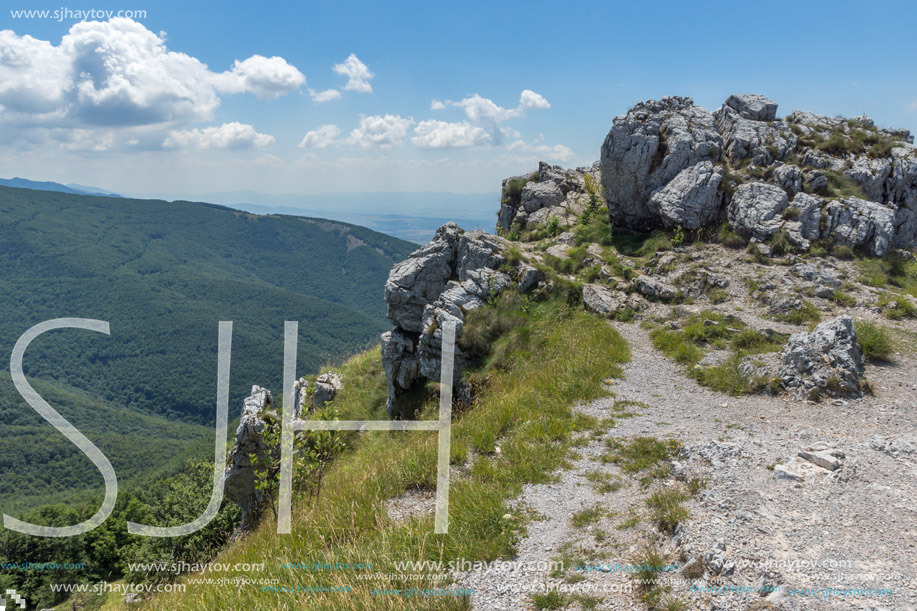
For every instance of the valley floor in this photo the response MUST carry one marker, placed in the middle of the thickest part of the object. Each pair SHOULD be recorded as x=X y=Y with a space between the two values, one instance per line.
x=834 y=539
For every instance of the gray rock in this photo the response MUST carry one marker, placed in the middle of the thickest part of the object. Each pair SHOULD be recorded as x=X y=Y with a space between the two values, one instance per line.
x=860 y=224
x=813 y=160
x=538 y=195
x=602 y=300
x=419 y=279
x=327 y=386
x=648 y=147
x=789 y=178
x=753 y=106
x=240 y=475
x=757 y=209
x=827 y=361
x=803 y=225
x=815 y=275
x=760 y=141
x=654 y=288
x=528 y=278
x=301 y=402
x=816 y=181
x=558 y=250
x=825 y=459
x=787 y=472
x=692 y=199
x=401 y=363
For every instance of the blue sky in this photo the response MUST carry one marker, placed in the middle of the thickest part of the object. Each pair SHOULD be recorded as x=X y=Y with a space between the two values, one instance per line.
x=131 y=107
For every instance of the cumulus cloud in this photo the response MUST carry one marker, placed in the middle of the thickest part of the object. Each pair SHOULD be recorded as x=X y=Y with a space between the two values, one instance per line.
x=266 y=77
x=442 y=134
x=324 y=96
x=320 y=138
x=484 y=126
x=530 y=99
x=233 y=136
x=118 y=75
x=358 y=75
x=380 y=131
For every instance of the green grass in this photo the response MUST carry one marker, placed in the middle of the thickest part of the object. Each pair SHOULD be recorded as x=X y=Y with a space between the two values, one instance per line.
x=642 y=453
x=843 y=299
x=666 y=508
x=875 y=341
x=604 y=483
x=897 y=307
x=556 y=355
x=804 y=315
x=587 y=516
x=552 y=599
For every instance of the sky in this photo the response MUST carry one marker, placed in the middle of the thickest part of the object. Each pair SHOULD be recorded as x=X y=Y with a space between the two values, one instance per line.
x=368 y=96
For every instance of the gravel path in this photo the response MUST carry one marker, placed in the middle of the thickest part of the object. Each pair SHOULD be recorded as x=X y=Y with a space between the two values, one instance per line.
x=853 y=528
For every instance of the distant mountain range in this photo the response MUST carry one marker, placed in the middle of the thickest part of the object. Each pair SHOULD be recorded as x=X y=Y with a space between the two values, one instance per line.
x=163 y=275
x=24 y=183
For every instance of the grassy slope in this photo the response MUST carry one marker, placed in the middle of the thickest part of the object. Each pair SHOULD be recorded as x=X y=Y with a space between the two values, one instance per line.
x=163 y=274
x=544 y=358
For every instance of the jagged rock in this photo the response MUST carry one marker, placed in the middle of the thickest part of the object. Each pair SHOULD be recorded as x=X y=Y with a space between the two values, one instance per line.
x=648 y=147
x=301 y=402
x=816 y=181
x=654 y=288
x=860 y=224
x=789 y=178
x=753 y=106
x=401 y=363
x=757 y=209
x=816 y=276
x=803 y=224
x=760 y=141
x=419 y=279
x=826 y=459
x=827 y=360
x=814 y=160
x=327 y=386
x=692 y=199
x=538 y=195
x=602 y=300
x=528 y=278
x=240 y=475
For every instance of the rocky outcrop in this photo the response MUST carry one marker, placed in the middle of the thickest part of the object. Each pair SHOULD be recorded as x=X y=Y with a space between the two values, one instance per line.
x=826 y=361
x=602 y=300
x=550 y=192
x=327 y=386
x=757 y=209
x=241 y=474
x=440 y=283
x=663 y=163
x=647 y=148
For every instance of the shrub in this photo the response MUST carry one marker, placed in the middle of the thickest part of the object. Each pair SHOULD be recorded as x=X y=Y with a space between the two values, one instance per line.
x=875 y=341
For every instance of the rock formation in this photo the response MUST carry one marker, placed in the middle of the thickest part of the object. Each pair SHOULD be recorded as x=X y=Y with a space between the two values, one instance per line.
x=826 y=361
x=326 y=387
x=240 y=475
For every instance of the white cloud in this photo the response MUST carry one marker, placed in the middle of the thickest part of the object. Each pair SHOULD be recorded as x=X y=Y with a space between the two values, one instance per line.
x=227 y=136
x=324 y=96
x=358 y=75
x=485 y=124
x=530 y=99
x=266 y=77
x=380 y=131
x=322 y=137
x=118 y=80
x=441 y=134
x=914 y=105
x=558 y=152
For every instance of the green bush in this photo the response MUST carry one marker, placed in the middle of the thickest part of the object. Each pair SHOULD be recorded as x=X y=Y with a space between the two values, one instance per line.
x=875 y=341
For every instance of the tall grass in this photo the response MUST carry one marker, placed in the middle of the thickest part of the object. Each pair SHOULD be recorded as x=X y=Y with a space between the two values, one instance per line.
x=551 y=358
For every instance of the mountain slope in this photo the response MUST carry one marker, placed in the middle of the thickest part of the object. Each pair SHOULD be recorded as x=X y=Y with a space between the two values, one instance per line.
x=163 y=275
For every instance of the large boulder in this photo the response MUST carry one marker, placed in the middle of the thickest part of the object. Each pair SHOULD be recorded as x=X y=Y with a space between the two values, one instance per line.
x=538 y=195
x=859 y=223
x=692 y=199
x=648 y=147
x=826 y=361
x=753 y=106
x=241 y=473
x=419 y=279
x=803 y=225
x=757 y=209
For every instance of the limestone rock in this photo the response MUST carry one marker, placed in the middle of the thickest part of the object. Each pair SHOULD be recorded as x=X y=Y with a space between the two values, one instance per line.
x=648 y=147
x=827 y=360
x=327 y=386
x=860 y=224
x=692 y=199
x=757 y=209
x=803 y=225
x=602 y=300
x=654 y=288
x=753 y=106
x=240 y=474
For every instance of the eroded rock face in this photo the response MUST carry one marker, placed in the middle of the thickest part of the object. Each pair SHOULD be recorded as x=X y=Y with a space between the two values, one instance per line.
x=757 y=209
x=602 y=300
x=692 y=199
x=647 y=148
x=753 y=106
x=860 y=224
x=550 y=192
x=464 y=272
x=240 y=474
x=327 y=386
x=827 y=361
